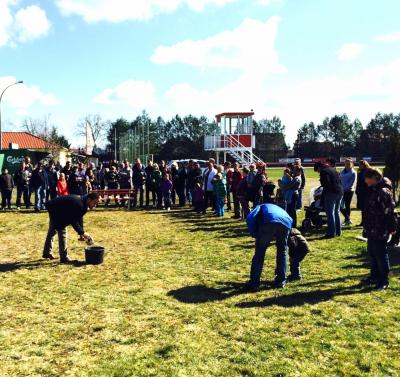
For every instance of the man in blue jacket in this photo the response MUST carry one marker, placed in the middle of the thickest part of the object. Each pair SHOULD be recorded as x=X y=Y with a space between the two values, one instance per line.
x=266 y=222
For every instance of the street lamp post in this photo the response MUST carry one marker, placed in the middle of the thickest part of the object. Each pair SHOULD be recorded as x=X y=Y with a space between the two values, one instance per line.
x=1 y=97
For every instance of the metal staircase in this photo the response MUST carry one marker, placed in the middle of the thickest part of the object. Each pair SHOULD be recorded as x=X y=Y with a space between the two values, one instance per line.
x=239 y=152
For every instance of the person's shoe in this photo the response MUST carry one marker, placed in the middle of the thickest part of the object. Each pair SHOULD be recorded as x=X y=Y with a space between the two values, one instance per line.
x=328 y=236
x=369 y=281
x=235 y=217
x=48 y=256
x=65 y=260
x=279 y=285
x=250 y=288
x=169 y=209
x=18 y=208
x=381 y=287
x=37 y=210
x=292 y=278
x=347 y=223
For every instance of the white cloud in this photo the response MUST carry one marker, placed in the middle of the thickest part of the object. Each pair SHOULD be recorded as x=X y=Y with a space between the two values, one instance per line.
x=135 y=94
x=21 y=25
x=126 y=10
x=250 y=47
x=350 y=51
x=31 y=23
x=21 y=97
x=269 y=2
x=388 y=38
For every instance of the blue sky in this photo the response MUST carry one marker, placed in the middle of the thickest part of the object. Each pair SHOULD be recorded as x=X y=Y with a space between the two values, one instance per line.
x=299 y=59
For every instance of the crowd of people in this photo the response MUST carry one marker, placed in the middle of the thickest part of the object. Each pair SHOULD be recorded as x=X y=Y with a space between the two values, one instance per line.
x=220 y=188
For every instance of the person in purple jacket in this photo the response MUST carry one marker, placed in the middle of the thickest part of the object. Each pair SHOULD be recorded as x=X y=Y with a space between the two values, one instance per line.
x=166 y=190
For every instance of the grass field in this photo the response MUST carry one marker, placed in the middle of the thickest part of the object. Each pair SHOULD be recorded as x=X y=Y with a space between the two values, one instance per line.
x=167 y=302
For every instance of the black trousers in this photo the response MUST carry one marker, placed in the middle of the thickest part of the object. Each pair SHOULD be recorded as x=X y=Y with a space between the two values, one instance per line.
x=23 y=192
x=150 y=190
x=346 y=208
x=6 y=198
x=209 y=200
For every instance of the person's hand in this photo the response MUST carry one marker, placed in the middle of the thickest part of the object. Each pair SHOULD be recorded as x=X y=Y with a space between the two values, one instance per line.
x=85 y=237
x=393 y=233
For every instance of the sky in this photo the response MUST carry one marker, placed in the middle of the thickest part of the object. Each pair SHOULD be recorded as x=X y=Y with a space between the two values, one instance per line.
x=301 y=60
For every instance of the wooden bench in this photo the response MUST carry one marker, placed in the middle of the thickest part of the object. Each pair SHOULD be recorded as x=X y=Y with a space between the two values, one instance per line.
x=118 y=194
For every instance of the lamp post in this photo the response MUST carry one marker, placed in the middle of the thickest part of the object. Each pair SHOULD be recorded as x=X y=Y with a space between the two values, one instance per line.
x=1 y=97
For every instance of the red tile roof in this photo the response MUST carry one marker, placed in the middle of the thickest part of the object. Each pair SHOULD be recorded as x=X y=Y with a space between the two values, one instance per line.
x=25 y=140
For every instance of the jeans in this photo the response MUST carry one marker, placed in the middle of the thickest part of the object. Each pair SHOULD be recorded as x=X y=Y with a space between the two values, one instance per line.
x=167 y=199
x=332 y=208
x=189 y=194
x=266 y=233
x=299 y=204
x=346 y=208
x=291 y=208
x=23 y=191
x=62 y=241
x=40 y=198
x=6 y=195
x=219 y=201
x=379 y=258
x=141 y=192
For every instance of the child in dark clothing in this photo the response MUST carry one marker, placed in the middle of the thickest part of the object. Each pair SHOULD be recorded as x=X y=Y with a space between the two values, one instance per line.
x=166 y=190
x=6 y=188
x=298 y=249
x=198 y=197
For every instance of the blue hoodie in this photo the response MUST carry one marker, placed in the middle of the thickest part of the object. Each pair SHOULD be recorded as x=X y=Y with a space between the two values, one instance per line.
x=271 y=213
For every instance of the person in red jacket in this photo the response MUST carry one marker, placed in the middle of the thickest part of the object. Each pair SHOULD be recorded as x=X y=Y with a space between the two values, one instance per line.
x=62 y=188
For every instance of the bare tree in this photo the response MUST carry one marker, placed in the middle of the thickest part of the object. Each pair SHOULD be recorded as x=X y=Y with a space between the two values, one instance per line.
x=45 y=130
x=97 y=126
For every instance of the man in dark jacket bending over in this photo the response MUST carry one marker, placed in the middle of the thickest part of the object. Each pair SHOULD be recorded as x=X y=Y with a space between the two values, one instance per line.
x=64 y=211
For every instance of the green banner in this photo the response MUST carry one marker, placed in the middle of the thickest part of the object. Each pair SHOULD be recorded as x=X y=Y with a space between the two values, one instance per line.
x=1 y=161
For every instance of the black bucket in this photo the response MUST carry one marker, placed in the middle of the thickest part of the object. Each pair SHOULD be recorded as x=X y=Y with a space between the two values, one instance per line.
x=94 y=254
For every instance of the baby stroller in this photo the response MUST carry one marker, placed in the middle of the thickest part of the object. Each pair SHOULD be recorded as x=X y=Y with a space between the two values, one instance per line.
x=315 y=215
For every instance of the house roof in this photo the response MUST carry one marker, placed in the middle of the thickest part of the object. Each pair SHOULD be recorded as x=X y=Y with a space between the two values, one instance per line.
x=25 y=140
x=239 y=114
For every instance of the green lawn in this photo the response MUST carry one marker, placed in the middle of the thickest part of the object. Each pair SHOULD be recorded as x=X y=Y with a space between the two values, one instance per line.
x=166 y=302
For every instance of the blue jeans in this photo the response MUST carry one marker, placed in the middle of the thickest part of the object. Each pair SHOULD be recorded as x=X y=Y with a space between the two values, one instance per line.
x=219 y=202
x=291 y=208
x=266 y=233
x=332 y=208
x=40 y=198
x=379 y=258
x=167 y=199
x=299 y=204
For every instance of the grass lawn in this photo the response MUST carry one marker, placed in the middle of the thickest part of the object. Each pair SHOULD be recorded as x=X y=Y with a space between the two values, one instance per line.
x=166 y=303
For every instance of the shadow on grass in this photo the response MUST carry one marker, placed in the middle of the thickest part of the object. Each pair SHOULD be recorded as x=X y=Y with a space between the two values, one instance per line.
x=36 y=264
x=200 y=294
x=361 y=260
x=304 y=298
